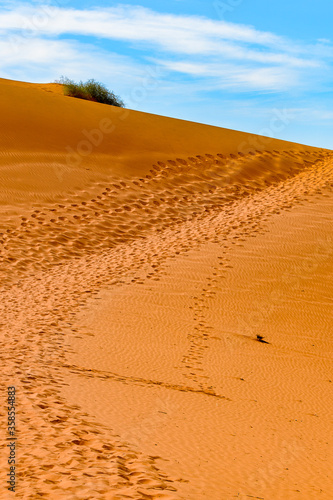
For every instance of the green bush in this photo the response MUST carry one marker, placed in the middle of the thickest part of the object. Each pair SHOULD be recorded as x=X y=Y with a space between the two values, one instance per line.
x=91 y=91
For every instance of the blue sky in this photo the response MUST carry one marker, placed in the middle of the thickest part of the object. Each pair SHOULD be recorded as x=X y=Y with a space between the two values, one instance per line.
x=251 y=65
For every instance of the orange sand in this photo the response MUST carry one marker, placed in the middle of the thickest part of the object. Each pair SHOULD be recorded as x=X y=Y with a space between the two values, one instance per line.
x=140 y=258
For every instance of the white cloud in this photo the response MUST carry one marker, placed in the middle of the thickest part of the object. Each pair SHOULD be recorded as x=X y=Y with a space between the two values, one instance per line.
x=40 y=59
x=128 y=23
x=48 y=40
x=233 y=76
x=189 y=35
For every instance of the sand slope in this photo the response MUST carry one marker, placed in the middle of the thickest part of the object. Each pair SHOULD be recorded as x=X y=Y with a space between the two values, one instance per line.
x=140 y=258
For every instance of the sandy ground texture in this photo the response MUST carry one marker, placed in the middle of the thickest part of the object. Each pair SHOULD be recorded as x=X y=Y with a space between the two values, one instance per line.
x=166 y=306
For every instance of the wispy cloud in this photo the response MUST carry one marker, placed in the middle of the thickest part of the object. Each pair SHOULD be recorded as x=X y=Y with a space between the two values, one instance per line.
x=45 y=59
x=237 y=77
x=227 y=48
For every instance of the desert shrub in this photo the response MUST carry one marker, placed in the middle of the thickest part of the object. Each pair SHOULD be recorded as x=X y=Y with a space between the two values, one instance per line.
x=91 y=91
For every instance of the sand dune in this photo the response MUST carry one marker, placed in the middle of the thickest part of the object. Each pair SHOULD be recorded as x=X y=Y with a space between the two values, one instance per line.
x=141 y=257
